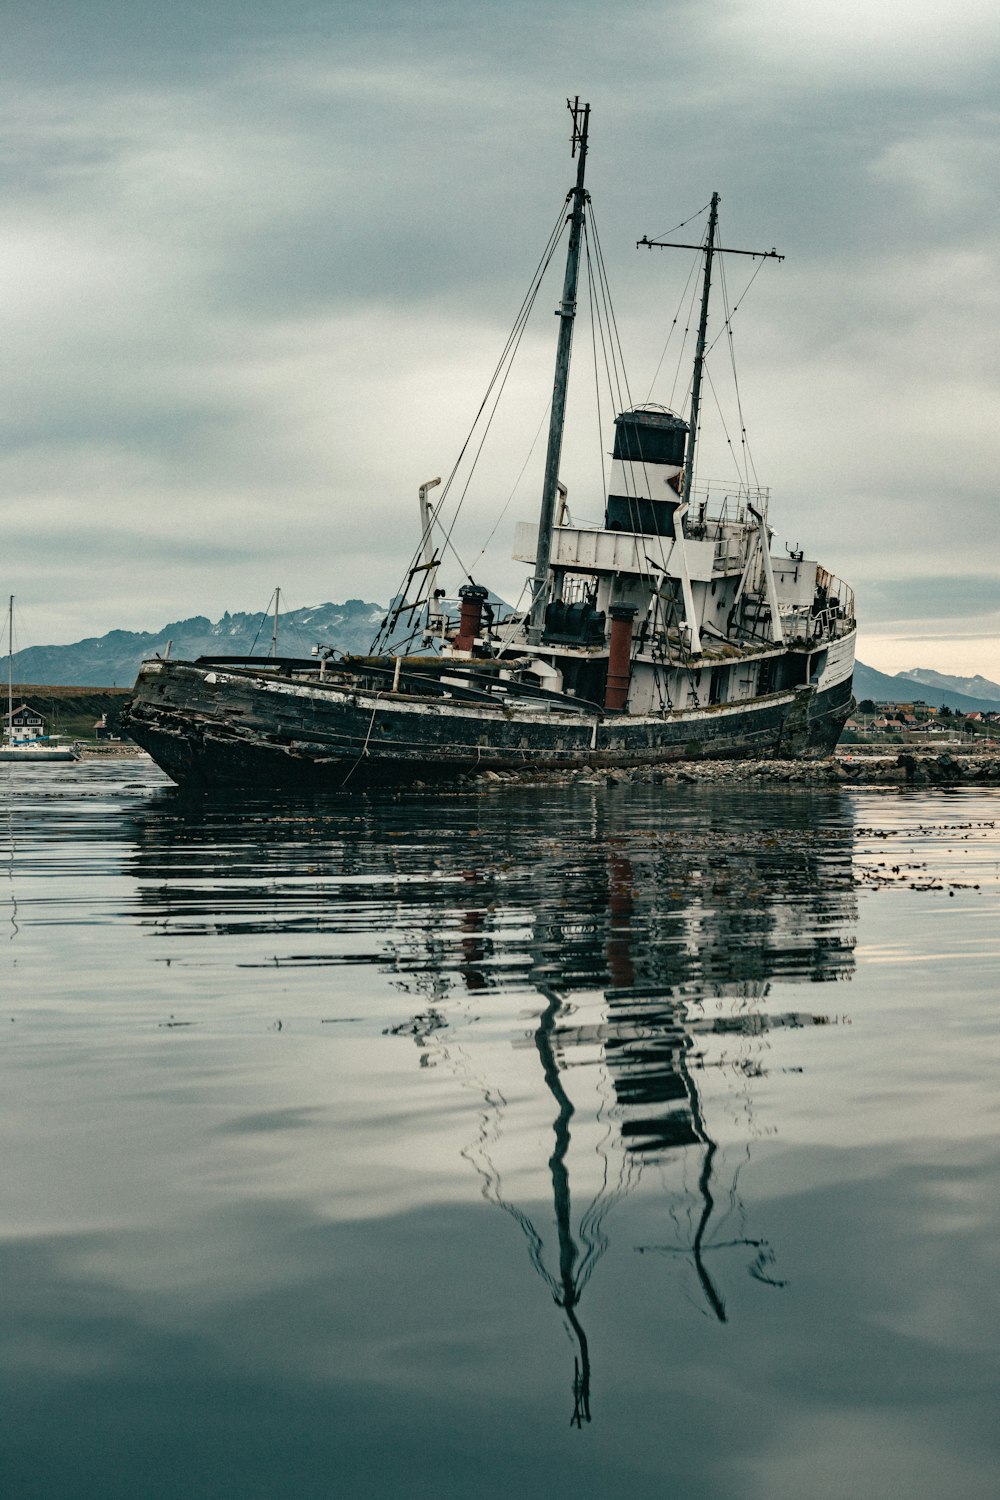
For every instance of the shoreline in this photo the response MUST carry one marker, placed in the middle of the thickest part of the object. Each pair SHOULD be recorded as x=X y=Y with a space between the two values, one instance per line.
x=843 y=768
x=846 y=767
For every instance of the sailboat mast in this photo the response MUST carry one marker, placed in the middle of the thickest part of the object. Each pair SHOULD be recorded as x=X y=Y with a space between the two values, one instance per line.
x=566 y=313
x=699 y=352
x=10 y=666
x=274 y=633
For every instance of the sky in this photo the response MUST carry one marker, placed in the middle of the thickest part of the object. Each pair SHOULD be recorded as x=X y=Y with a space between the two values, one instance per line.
x=259 y=262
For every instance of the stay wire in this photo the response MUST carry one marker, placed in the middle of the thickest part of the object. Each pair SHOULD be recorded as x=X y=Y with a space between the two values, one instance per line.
x=599 y=330
x=265 y=616
x=646 y=566
x=672 y=330
x=680 y=352
x=621 y=388
x=612 y=359
x=612 y=321
x=510 y=348
x=729 y=442
x=683 y=224
x=741 y=460
x=597 y=378
x=726 y=327
x=748 y=463
x=488 y=424
x=513 y=353
x=513 y=341
x=506 y=505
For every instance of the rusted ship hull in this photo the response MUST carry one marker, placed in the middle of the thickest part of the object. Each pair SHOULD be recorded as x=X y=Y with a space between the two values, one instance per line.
x=208 y=727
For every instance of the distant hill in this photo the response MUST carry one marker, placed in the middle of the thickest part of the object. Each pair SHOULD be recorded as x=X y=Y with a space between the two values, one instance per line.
x=974 y=687
x=113 y=659
x=904 y=687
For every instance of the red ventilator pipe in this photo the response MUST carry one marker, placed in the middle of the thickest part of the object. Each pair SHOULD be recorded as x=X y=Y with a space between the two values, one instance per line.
x=619 y=658
x=471 y=619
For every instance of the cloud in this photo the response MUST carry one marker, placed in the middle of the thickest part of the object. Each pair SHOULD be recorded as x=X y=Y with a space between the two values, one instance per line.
x=259 y=266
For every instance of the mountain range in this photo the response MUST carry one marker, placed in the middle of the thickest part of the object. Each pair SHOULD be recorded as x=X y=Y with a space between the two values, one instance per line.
x=113 y=660
x=905 y=686
x=974 y=687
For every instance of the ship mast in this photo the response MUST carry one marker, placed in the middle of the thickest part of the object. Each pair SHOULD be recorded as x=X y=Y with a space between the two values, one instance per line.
x=699 y=351
x=566 y=312
x=709 y=247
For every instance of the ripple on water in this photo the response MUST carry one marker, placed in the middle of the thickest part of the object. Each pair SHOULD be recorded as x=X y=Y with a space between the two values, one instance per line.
x=476 y=1121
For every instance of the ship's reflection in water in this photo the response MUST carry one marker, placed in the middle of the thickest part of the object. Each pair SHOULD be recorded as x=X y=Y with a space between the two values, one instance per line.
x=594 y=966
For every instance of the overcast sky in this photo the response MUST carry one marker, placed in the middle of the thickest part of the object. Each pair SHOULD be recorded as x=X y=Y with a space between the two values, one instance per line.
x=259 y=261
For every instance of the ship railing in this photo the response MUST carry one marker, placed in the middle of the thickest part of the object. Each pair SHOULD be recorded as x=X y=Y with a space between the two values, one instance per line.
x=730 y=550
x=717 y=504
x=728 y=532
x=837 y=591
x=714 y=506
x=826 y=624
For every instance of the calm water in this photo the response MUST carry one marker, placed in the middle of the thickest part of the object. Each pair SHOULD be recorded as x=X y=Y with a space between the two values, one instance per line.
x=576 y=1142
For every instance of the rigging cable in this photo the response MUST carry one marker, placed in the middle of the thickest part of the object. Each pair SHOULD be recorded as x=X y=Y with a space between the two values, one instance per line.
x=618 y=381
x=680 y=301
x=499 y=374
x=593 y=348
x=684 y=222
x=693 y=283
x=620 y=389
x=517 y=481
x=729 y=442
x=265 y=616
x=748 y=463
x=673 y=328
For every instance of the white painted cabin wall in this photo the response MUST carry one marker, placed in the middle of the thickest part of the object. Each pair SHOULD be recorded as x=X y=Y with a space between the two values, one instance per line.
x=644 y=481
x=795 y=582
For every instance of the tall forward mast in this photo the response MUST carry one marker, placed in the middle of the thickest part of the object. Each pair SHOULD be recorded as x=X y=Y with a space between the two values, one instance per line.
x=566 y=313
x=699 y=352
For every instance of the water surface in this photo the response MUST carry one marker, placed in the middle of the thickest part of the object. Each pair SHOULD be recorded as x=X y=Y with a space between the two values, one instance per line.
x=582 y=1140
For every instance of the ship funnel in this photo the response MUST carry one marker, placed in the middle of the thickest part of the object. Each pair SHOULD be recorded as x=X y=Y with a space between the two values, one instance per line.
x=471 y=620
x=647 y=471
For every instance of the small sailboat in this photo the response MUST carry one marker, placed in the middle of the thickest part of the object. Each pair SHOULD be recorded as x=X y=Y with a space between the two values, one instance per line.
x=24 y=737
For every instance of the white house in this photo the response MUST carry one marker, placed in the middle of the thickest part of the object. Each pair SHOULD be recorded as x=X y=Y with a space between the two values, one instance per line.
x=23 y=724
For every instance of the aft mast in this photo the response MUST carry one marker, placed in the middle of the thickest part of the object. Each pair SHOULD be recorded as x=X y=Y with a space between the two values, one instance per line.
x=709 y=247
x=566 y=313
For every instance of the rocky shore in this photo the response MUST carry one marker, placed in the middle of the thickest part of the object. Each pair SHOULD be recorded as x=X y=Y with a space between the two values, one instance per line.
x=842 y=769
x=110 y=750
